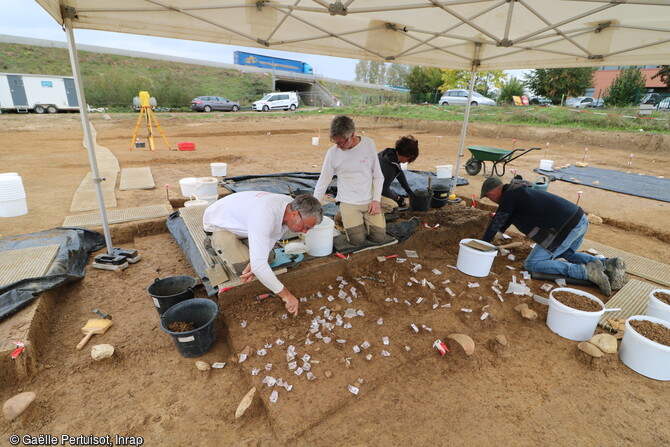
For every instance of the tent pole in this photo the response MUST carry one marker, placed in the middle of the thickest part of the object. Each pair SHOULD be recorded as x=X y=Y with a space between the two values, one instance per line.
x=464 y=129
x=86 y=125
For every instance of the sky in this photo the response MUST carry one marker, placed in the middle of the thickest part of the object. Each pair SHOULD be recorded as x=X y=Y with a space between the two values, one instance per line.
x=26 y=18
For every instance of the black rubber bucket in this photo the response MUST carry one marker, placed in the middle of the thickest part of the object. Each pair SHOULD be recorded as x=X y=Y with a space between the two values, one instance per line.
x=440 y=197
x=420 y=200
x=169 y=291
x=202 y=313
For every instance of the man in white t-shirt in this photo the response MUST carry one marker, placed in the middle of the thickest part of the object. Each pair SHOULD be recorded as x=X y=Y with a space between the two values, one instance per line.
x=244 y=227
x=359 y=182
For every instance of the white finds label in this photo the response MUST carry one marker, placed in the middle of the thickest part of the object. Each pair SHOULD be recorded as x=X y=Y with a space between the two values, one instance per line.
x=186 y=339
x=156 y=303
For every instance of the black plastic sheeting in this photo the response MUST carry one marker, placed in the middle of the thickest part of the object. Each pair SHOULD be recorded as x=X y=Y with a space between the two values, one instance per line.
x=629 y=183
x=69 y=264
x=299 y=182
x=181 y=235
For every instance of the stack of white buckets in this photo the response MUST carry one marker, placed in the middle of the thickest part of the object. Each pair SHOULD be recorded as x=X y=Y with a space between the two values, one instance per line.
x=12 y=195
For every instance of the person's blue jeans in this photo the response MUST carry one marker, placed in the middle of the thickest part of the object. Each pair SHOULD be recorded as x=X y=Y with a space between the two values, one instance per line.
x=541 y=260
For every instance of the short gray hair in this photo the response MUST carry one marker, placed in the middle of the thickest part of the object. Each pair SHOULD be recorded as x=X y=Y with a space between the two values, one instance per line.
x=308 y=206
x=342 y=126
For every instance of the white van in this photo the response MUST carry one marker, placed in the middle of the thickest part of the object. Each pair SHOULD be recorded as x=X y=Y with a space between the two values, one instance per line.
x=279 y=100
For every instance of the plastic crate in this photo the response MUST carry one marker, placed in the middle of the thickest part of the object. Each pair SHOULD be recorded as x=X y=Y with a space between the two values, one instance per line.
x=186 y=146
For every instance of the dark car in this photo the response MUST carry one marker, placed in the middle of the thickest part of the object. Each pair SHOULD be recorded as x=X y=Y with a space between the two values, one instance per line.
x=541 y=100
x=209 y=103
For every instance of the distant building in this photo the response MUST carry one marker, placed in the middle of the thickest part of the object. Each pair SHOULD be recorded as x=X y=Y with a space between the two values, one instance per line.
x=604 y=76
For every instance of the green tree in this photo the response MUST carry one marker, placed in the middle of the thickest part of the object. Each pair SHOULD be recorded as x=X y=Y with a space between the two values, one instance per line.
x=376 y=72
x=627 y=88
x=361 y=71
x=554 y=83
x=424 y=84
x=513 y=87
x=664 y=74
x=485 y=81
x=396 y=75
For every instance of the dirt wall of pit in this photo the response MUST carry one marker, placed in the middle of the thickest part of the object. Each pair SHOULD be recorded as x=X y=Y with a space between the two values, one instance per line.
x=589 y=138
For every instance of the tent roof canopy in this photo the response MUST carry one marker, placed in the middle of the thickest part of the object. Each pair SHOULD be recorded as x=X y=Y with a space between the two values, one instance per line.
x=491 y=35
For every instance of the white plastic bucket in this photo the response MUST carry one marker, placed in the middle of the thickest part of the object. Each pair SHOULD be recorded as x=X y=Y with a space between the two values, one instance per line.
x=444 y=171
x=12 y=195
x=206 y=187
x=657 y=308
x=573 y=324
x=219 y=169
x=320 y=238
x=547 y=165
x=642 y=355
x=315 y=141
x=187 y=185
x=474 y=262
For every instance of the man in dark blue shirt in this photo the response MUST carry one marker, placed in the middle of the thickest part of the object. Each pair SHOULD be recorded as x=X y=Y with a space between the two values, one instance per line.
x=557 y=227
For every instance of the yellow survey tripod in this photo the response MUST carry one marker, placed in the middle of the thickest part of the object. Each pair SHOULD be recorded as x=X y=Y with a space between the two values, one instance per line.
x=146 y=112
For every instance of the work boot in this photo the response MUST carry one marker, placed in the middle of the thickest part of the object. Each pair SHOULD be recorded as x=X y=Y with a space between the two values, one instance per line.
x=615 y=269
x=595 y=272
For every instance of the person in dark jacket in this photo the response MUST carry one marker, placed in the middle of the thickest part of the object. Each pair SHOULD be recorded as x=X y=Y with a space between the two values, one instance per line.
x=557 y=227
x=406 y=150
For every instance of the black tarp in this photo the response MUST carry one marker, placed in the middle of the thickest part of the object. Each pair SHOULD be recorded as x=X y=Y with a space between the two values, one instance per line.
x=69 y=264
x=629 y=183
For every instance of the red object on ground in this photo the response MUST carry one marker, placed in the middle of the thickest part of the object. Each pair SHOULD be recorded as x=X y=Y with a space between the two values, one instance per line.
x=340 y=255
x=186 y=146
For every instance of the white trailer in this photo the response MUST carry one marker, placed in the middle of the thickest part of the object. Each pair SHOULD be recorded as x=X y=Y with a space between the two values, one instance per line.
x=37 y=93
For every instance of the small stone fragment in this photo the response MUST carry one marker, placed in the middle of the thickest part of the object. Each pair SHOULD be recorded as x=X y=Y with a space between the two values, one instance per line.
x=605 y=342
x=521 y=307
x=590 y=349
x=529 y=314
x=596 y=220
x=245 y=403
x=501 y=339
x=202 y=366
x=103 y=351
x=329 y=374
x=16 y=405
x=465 y=341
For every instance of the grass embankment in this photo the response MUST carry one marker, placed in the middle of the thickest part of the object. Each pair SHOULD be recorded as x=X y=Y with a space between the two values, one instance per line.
x=112 y=81
x=605 y=119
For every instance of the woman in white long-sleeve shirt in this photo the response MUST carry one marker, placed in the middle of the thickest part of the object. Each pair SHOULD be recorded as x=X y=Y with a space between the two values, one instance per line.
x=360 y=180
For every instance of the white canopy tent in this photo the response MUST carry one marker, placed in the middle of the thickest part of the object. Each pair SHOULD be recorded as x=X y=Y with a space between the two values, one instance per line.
x=470 y=35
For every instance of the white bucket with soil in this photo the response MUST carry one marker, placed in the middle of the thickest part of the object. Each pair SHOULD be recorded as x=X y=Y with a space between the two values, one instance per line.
x=573 y=324
x=547 y=165
x=12 y=195
x=206 y=187
x=644 y=356
x=320 y=238
x=656 y=307
x=444 y=171
x=475 y=262
x=188 y=185
x=219 y=169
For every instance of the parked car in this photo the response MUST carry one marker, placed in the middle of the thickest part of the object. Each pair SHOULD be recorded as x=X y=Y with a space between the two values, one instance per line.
x=598 y=103
x=274 y=101
x=209 y=103
x=580 y=102
x=460 y=96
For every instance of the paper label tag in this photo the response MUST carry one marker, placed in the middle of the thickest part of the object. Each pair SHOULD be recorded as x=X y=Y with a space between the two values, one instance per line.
x=186 y=339
x=156 y=303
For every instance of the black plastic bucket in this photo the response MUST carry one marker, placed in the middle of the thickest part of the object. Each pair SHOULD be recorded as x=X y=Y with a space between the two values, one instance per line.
x=169 y=291
x=202 y=313
x=420 y=200
x=440 y=197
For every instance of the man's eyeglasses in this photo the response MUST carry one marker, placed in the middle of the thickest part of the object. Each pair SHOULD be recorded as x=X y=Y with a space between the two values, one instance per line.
x=342 y=144
x=305 y=228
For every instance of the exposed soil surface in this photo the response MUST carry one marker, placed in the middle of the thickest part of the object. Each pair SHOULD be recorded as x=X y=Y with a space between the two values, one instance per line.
x=535 y=389
x=180 y=326
x=653 y=331
x=662 y=296
x=577 y=301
